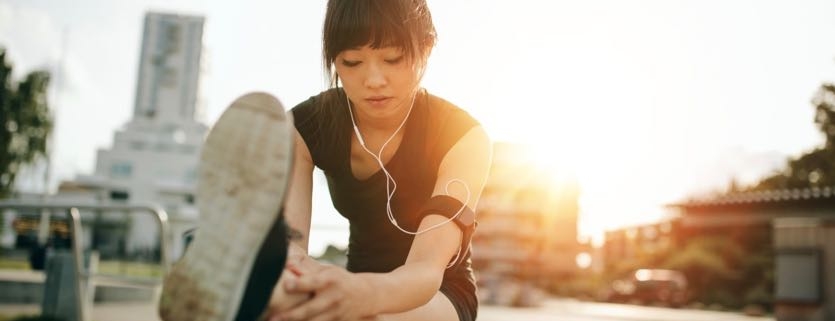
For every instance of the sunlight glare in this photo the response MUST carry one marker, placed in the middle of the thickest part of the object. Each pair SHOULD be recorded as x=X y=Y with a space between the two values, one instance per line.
x=583 y=260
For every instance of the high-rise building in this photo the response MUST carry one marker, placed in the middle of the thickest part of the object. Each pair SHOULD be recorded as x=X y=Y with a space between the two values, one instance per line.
x=154 y=156
x=169 y=68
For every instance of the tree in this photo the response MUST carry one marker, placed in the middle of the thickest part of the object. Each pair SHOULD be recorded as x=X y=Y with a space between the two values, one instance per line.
x=25 y=122
x=709 y=262
x=817 y=167
x=824 y=102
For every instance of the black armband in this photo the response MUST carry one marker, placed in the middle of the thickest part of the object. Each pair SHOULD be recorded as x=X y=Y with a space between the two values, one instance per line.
x=449 y=206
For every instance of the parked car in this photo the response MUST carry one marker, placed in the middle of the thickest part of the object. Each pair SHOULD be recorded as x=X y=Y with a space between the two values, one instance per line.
x=650 y=286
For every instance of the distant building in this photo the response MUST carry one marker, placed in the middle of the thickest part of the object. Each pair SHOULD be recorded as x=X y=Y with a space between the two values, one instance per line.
x=154 y=156
x=169 y=68
x=627 y=243
x=786 y=238
x=527 y=232
x=679 y=242
x=800 y=227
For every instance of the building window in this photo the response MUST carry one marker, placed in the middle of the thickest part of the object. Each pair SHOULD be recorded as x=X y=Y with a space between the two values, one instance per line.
x=798 y=276
x=121 y=170
x=119 y=195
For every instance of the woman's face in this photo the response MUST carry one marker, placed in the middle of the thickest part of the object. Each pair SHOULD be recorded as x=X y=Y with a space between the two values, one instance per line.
x=379 y=82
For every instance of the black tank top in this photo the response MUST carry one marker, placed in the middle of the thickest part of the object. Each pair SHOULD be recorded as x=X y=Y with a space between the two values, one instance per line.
x=375 y=245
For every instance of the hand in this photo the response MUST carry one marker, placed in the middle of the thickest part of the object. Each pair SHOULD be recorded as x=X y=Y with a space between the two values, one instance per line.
x=338 y=295
x=281 y=300
x=298 y=263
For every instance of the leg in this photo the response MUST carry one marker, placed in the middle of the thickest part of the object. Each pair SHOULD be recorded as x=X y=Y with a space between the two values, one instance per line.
x=439 y=308
x=244 y=168
x=265 y=272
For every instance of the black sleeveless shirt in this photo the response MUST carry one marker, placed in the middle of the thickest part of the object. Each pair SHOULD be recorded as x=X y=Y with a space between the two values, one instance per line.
x=375 y=245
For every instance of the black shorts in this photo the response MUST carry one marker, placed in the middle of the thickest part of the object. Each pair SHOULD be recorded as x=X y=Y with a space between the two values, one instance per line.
x=462 y=294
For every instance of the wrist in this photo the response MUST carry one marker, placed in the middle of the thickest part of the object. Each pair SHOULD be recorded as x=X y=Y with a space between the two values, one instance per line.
x=295 y=253
x=295 y=250
x=365 y=288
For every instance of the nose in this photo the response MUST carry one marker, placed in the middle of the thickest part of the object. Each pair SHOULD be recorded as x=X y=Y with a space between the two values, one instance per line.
x=375 y=76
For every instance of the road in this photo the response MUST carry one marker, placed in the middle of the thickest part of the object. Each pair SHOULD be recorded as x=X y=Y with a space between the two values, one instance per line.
x=572 y=310
x=552 y=310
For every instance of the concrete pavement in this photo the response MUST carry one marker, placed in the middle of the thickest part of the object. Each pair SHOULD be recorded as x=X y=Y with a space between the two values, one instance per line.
x=553 y=309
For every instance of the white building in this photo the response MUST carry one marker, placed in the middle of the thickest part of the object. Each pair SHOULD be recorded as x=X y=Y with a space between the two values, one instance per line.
x=154 y=156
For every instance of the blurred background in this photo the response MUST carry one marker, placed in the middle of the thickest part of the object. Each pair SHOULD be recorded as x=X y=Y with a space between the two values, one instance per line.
x=649 y=155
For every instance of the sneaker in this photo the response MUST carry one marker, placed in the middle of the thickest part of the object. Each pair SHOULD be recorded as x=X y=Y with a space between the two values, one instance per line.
x=240 y=244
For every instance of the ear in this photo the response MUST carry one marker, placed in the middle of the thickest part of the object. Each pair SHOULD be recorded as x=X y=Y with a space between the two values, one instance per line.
x=420 y=67
x=428 y=45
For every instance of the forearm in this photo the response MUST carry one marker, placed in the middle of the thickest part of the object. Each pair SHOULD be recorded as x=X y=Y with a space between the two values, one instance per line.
x=422 y=280
x=297 y=245
x=422 y=273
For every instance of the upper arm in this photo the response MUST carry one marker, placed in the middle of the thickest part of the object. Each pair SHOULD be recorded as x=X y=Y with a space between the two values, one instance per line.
x=297 y=209
x=462 y=175
x=464 y=169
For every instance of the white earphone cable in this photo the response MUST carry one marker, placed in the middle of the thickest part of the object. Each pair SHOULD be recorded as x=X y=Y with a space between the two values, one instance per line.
x=391 y=184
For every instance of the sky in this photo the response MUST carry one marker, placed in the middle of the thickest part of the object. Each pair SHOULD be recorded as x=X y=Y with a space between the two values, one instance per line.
x=645 y=102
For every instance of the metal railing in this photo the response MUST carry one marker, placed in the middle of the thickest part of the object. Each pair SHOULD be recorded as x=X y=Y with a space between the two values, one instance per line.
x=85 y=281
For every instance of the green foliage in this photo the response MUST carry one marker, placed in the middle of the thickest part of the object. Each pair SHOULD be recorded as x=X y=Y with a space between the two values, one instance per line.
x=817 y=167
x=706 y=260
x=824 y=102
x=37 y=318
x=25 y=122
x=7 y=263
x=725 y=271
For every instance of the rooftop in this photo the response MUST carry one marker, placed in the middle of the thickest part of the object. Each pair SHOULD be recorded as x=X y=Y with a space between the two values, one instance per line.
x=779 y=196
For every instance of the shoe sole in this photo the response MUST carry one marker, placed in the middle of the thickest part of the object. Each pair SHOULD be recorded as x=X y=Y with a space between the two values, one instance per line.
x=244 y=170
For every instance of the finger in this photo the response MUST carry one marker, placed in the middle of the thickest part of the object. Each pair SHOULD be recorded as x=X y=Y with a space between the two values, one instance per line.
x=286 y=303
x=308 y=283
x=309 y=264
x=320 y=304
x=295 y=269
x=329 y=315
x=289 y=301
x=281 y=300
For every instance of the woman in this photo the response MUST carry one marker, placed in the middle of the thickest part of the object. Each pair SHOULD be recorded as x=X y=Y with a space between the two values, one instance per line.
x=399 y=161
x=406 y=168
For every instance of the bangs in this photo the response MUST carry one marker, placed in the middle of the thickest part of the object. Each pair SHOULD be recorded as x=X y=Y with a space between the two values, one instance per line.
x=366 y=23
x=351 y=24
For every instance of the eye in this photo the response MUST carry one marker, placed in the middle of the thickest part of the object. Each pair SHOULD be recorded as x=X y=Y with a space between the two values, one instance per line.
x=350 y=63
x=396 y=60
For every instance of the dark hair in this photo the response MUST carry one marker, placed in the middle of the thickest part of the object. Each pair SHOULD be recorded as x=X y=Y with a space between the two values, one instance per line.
x=406 y=24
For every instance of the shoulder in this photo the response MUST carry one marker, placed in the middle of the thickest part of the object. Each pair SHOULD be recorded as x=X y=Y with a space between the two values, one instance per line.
x=321 y=126
x=447 y=117
x=441 y=108
x=448 y=125
x=306 y=111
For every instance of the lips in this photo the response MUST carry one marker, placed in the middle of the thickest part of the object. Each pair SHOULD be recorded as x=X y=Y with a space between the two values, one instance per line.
x=377 y=100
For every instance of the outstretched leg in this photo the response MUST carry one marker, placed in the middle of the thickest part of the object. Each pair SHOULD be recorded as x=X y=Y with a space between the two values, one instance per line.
x=240 y=244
